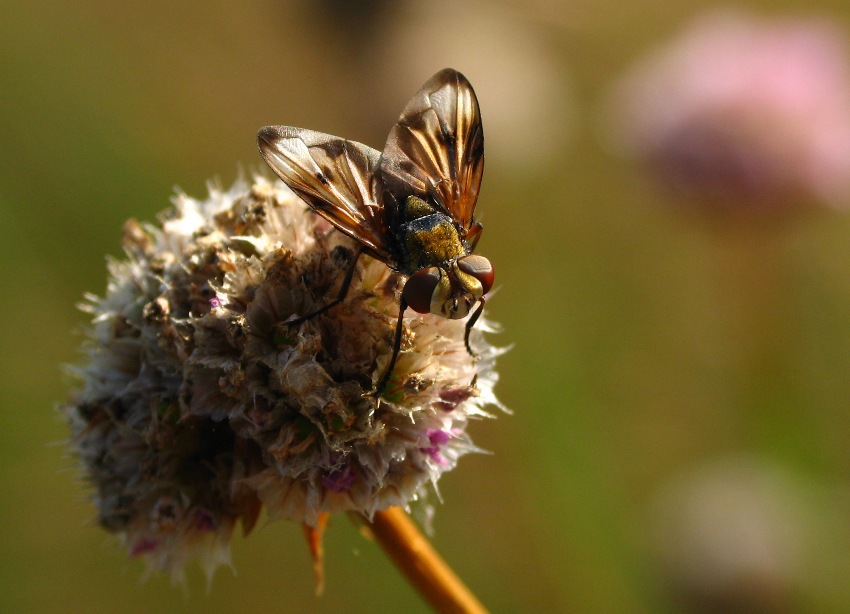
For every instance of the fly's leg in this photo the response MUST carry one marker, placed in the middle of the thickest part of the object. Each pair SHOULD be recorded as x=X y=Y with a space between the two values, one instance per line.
x=382 y=384
x=469 y=324
x=343 y=291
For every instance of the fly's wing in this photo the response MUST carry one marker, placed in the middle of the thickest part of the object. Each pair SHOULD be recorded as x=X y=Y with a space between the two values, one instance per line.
x=335 y=177
x=436 y=150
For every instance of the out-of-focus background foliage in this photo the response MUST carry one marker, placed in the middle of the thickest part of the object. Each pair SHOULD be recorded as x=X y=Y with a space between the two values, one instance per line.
x=679 y=383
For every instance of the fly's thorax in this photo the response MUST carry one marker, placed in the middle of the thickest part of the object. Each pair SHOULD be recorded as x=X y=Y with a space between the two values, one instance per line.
x=427 y=237
x=451 y=290
x=414 y=207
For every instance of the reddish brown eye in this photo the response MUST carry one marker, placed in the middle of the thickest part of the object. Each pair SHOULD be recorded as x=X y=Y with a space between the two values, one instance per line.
x=420 y=288
x=480 y=268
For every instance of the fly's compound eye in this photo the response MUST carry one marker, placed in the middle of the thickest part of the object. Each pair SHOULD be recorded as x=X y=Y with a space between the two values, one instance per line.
x=479 y=268
x=423 y=287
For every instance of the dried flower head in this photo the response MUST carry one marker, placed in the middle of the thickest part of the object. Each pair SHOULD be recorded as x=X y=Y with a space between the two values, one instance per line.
x=200 y=404
x=743 y=112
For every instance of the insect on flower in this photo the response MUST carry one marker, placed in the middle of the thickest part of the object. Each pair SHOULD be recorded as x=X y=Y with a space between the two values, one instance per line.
x=410 y=206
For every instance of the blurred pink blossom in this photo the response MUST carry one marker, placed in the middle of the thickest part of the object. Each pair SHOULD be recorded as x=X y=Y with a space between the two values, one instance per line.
x=739 y=110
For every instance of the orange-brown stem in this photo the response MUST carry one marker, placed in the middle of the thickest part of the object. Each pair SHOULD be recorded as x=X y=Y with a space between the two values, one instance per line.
x=425 y=569
x=315 y=535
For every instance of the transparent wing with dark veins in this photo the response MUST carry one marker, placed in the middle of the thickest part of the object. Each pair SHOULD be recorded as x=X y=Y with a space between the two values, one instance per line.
x=436 y=150
x=337 y=178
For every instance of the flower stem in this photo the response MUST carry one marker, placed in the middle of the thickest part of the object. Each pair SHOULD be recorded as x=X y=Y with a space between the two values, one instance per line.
x=425 y=569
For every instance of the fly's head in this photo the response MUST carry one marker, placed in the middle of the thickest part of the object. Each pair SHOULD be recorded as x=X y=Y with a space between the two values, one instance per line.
x=450 y=291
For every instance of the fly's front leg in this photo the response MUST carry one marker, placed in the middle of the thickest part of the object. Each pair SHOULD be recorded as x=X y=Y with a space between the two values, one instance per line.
x=469 y=324
x=379 y=389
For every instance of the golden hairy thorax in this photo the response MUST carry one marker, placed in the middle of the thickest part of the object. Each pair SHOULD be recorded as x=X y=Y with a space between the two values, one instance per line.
x=428 y=237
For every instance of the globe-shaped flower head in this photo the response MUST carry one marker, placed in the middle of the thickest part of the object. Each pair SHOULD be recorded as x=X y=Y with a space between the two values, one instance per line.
x=744 y=113
x=201 y=404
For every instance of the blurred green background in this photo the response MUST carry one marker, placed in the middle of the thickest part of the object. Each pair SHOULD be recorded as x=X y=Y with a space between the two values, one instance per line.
x=656 y=354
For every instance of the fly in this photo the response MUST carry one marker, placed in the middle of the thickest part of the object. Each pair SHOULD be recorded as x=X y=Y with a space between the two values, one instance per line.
x=410 y=206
